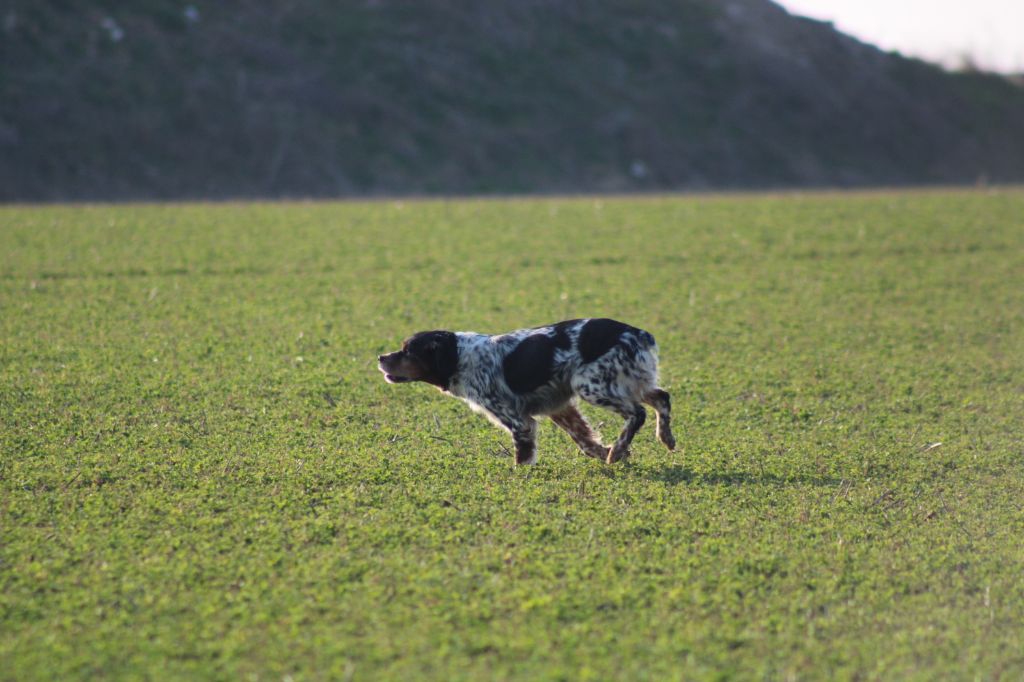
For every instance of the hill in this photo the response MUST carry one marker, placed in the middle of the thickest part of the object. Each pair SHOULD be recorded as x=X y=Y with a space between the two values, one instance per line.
x=164 y=99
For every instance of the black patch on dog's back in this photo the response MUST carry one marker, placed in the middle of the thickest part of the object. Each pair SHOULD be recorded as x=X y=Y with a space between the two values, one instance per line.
x=561 y=336
x=600 y=335
x=528 y=366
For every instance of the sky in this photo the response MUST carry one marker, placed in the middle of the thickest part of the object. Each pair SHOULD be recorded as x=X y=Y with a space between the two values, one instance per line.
x=990 y=32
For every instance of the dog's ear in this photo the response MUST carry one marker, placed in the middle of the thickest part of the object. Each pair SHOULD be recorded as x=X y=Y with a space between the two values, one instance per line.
x=444 y=349
x=438 y=353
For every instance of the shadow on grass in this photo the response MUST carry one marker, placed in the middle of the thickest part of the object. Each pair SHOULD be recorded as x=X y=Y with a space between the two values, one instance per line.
x=674 y=474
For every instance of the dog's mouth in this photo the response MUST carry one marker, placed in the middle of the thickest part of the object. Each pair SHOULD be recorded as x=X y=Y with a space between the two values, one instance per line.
x=390 y=375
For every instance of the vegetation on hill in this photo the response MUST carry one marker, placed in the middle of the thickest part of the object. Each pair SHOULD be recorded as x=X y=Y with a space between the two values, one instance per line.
x=166 y=98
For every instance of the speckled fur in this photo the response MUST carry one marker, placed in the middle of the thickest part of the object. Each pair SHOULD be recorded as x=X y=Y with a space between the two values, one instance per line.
x=604 y=362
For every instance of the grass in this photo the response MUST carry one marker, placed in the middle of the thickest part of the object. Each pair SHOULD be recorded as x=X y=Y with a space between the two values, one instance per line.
x=204 y=476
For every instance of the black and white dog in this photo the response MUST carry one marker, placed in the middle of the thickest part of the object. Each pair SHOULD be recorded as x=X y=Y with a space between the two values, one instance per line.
x=514 y=377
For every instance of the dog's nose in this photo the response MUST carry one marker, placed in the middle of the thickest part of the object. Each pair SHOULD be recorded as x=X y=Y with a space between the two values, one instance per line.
x=380 y=358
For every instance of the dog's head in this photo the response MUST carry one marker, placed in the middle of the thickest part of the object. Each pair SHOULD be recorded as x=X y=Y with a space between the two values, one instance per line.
x=432 y=357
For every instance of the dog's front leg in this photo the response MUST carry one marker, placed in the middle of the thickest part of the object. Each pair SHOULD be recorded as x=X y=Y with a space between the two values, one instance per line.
x=525 y=438
x=524 y=435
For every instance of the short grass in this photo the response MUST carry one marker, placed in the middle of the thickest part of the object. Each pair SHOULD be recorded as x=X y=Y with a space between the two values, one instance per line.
x=204 y=476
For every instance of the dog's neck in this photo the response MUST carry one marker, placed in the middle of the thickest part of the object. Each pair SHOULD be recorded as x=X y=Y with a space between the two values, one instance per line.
x=477 y=359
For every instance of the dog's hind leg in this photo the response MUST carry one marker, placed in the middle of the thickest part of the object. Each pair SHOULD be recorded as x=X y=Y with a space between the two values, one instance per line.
x=575 y=424
x=635 y=416
x=662 y=403
x=618 y=381
x=632 y=412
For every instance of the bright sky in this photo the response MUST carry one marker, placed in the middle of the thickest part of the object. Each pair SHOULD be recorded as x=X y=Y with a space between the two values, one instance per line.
x=991 y=32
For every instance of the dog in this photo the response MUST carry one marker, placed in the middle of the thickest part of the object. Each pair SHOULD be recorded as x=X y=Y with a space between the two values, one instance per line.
x=513 y=378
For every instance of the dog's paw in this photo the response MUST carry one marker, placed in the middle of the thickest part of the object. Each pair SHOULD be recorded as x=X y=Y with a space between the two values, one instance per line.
x=616 y=455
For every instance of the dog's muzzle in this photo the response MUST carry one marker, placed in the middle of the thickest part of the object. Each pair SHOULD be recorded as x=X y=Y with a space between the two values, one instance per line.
x=384 y=364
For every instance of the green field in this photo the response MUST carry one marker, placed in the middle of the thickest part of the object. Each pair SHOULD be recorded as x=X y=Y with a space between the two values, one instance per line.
x=203 y=475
